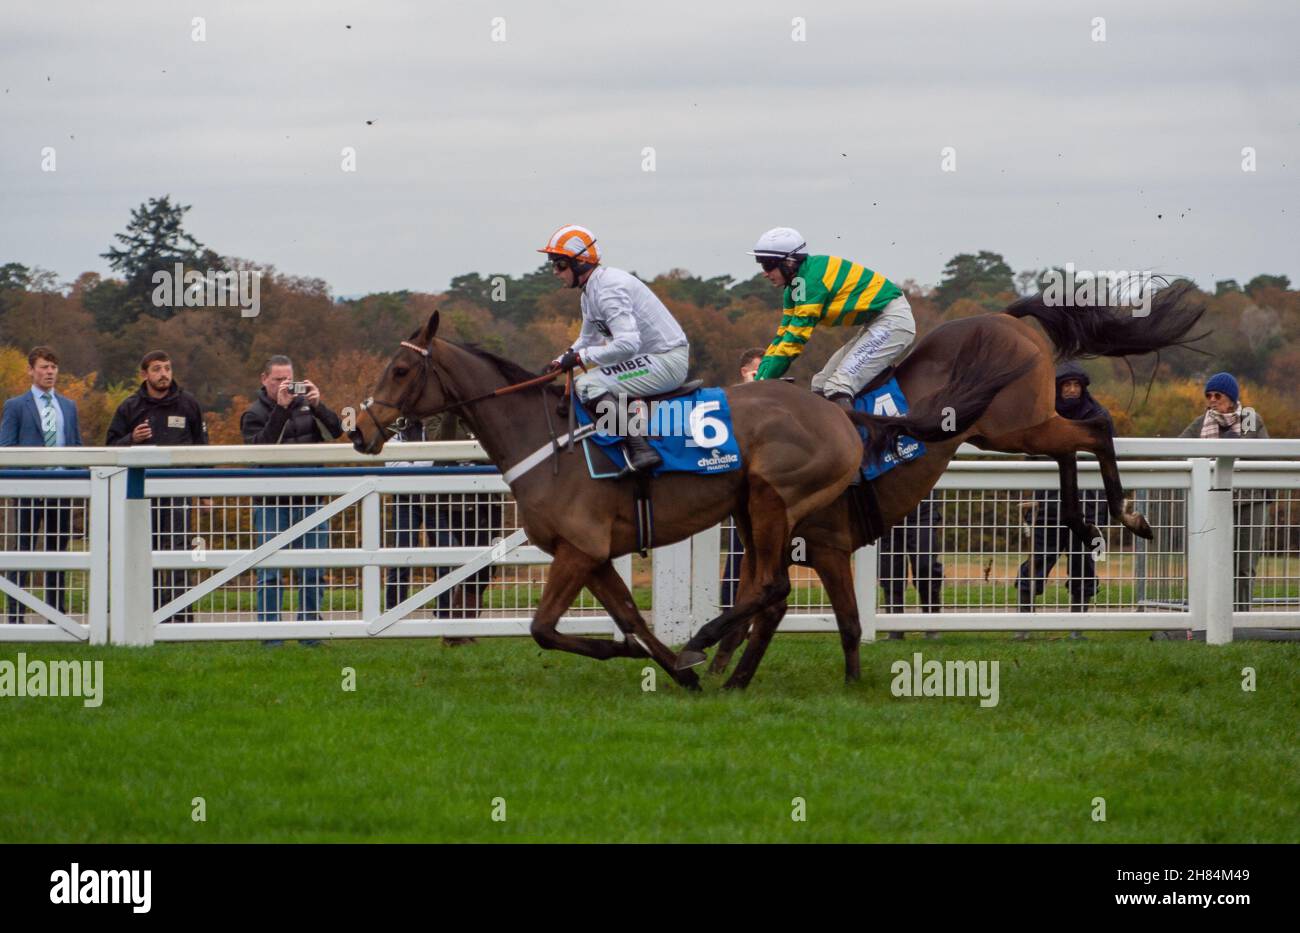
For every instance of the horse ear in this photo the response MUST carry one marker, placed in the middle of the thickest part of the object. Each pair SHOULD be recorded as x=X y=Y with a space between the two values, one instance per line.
x=430 y=329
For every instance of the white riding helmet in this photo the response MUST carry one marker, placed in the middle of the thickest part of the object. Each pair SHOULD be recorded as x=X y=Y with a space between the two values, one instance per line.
x=779 y=243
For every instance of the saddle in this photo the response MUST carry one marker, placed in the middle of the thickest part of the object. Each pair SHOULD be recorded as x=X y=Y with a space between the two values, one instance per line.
x=686 y=388
x=881 y=378
x=862 y=492
x=641 y=482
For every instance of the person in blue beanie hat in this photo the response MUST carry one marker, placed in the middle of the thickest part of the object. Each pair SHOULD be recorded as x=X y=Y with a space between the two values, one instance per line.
x=1225 y=417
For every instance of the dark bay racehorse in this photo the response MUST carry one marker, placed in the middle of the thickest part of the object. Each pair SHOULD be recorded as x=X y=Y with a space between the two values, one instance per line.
x=1021 y=418
x=799 y=453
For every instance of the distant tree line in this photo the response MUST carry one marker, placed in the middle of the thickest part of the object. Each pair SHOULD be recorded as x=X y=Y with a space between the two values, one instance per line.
x=102 y=325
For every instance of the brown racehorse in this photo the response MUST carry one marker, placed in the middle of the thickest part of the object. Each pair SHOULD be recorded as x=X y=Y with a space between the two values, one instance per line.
x=799 y=453
x=1021 y=418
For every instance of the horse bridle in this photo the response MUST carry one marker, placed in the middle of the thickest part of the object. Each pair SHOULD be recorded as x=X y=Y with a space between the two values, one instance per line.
x=422 y=378
x=402 y=405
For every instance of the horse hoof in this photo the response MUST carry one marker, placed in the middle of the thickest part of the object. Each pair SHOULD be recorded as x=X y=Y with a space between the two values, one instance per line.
x=1137 y=524
x=689 y=658
x=689 y=680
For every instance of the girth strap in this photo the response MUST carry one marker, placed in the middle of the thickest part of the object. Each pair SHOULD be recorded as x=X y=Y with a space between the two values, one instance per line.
x=645 y=519
x=867 y=506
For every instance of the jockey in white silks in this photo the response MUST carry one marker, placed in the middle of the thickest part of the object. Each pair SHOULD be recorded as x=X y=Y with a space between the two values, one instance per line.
x=630 y=342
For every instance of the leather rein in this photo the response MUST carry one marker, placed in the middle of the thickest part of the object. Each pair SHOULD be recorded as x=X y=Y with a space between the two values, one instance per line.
x=403 y=405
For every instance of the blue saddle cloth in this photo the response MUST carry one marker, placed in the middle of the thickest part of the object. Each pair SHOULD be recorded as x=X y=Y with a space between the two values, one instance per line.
x=887 y=400
x=693 y=433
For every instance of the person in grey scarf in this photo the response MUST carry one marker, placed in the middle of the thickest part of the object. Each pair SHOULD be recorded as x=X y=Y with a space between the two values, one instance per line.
x=1225 y=417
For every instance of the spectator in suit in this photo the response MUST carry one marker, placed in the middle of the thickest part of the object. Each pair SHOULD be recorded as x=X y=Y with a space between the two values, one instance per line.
x=1050 y=537
x=162 y=414
x=1224 y=417
x=281 y=415
x=749 y=361
x=41 y=417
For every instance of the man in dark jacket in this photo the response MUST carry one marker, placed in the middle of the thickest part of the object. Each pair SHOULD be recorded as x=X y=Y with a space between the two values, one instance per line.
x=288 y=412
x=1073 y=401
x=163 y=414
x=160 y=412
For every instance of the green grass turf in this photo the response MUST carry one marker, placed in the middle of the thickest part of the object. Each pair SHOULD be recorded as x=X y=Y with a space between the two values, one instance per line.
x=1163 y=731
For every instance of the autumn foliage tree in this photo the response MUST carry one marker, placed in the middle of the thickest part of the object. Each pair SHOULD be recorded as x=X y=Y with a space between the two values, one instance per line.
x=342 y=345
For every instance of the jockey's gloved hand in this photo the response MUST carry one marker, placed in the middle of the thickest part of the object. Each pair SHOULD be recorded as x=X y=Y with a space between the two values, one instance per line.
x=567 y=361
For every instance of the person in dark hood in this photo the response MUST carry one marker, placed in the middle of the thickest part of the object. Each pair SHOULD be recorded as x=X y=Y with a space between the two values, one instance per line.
x=1073 y=400
x=1051 y=538
x=163 y=414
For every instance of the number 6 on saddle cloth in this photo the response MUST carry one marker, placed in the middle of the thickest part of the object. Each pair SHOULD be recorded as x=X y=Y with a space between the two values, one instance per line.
x=692 y=432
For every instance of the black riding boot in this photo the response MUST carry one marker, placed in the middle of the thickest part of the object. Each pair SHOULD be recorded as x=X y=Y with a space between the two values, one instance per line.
x=641 y=457
x=842 y=399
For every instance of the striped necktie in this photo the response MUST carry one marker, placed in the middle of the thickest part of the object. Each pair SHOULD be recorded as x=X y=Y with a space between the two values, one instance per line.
x=49 y=426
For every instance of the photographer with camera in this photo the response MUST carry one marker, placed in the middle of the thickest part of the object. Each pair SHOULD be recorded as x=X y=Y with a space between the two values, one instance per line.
x=287 y=411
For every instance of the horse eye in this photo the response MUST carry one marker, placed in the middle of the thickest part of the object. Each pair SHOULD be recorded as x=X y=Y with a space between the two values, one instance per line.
x=400 y=371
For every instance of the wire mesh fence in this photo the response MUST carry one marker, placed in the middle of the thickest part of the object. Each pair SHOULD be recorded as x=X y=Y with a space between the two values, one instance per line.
x=465 y=522
x=46 y=524
x=964 y=549
x=998 y=550
x=1266 y=571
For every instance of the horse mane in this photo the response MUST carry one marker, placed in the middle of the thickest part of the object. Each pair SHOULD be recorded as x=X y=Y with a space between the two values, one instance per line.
x=511 y=371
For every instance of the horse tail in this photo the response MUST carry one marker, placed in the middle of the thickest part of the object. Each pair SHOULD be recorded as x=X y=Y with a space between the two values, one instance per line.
x=1109 y=330
x=981 y=372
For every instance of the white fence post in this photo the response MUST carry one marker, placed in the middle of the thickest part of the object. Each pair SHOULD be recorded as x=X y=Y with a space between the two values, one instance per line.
x=706 y=577
x=865 y=566
x=1221 y=577
x=1198 y=542
x=97 y=577
x=130 y=560
x=371 y=540
x=672 y=593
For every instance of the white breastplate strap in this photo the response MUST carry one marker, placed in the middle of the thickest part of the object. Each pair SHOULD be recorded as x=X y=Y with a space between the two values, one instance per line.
x=545 y=452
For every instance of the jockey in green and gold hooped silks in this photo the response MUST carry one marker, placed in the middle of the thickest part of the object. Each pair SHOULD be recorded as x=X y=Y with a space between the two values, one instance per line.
x=832 y=292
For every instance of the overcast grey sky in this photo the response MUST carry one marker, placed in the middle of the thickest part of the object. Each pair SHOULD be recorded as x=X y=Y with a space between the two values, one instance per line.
x=1122 y=154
